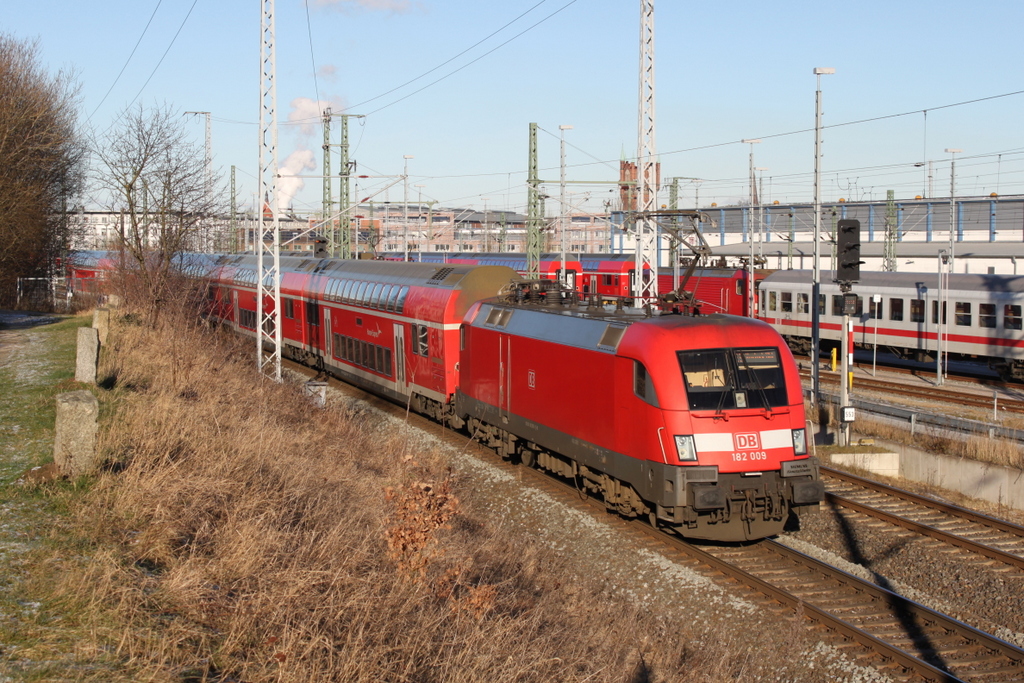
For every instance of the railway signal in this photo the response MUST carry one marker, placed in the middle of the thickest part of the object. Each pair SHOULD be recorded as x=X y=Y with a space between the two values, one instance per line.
x=848 y=251
x=848 y=265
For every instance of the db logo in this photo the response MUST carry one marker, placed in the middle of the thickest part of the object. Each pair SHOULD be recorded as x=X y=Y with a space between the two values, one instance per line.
x=531 y=379
x=746 y=442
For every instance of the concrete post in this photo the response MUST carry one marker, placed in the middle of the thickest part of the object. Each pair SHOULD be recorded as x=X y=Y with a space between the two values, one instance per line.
x=317 y=392
x=101 y=323
x=74 y=444
x=88 y=355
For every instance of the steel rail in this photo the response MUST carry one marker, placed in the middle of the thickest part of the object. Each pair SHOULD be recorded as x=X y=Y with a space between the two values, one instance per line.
x=833 y=623
x=948 y=508
x=926 y=529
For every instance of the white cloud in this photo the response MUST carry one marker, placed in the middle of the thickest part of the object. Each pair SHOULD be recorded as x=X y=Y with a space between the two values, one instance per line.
x=288 y=185
x=308 y=113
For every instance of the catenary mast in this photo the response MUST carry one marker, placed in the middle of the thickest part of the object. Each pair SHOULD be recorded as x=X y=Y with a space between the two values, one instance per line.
x=268 y=246
x=647 y=182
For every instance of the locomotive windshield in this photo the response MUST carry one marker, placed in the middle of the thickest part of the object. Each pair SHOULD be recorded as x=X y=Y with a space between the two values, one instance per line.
x=729 y=379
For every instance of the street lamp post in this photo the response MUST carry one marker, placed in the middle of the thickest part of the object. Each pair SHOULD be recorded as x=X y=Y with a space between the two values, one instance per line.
x=561 y=203
x=816 y=279
x=750 y=229
x=405 y=209
x=952 y=202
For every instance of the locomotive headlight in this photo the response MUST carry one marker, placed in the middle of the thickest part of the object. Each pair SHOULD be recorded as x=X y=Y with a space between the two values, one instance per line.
x=685 y=448
x=800 y=441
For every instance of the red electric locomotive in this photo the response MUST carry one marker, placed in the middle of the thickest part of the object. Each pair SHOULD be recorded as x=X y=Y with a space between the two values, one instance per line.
x=696 y=422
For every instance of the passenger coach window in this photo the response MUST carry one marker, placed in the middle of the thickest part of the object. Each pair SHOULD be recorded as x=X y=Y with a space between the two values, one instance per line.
x=896 y=309
x=642 y=384
x=917 y=310
x=875 y=309
x=1011 y=317
x=787 y=302
x=935 y=312
x=289 y=308
x=837 y=304
x=987 y=315
x=821 y=304
x=963 y=313
x=772 y=300
x=803 y=304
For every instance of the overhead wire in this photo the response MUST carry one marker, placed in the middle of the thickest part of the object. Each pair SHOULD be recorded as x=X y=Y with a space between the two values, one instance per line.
x=127 y=61
x=474 y=61
x=164 y=55
x=450 y=59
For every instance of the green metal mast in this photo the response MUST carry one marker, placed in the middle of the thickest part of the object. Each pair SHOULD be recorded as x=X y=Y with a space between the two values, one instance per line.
x=534 y=214
x=345 y=220
x=891 y=230
x=328 y=209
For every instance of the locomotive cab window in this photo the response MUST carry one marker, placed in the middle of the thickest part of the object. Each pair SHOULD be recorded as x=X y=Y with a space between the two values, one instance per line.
x=733 y=379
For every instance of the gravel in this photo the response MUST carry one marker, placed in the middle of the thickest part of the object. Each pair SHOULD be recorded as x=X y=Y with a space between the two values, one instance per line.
x=921 y=569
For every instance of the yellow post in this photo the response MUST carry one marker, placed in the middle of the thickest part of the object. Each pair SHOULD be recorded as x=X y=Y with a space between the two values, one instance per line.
x=833 y=359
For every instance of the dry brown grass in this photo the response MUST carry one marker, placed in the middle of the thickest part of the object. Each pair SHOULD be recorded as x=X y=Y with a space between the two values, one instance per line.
x=241 y=534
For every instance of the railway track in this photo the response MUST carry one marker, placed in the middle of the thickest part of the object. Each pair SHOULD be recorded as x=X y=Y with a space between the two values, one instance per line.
x=913 y=642
x=988 y=537
x=943 y=394
x=873 y=626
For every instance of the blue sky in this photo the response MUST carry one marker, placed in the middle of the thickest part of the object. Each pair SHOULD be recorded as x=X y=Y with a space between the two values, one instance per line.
x=726 y=71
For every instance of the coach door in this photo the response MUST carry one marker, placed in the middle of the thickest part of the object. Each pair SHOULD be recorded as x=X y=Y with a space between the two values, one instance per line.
x=328 y=341
x=401 y=383
x=504 y=376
